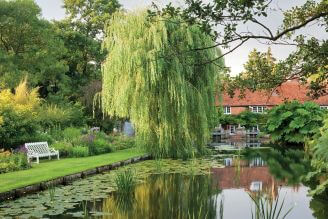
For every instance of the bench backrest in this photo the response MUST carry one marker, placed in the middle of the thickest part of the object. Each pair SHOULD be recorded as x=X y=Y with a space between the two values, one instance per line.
x=38 y=147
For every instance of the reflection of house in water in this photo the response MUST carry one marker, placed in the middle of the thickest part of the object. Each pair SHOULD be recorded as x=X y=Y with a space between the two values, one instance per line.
x=251 y=142
x=253 y=176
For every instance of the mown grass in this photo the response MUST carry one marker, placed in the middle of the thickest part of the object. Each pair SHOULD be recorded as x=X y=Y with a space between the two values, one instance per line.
x=48 y=170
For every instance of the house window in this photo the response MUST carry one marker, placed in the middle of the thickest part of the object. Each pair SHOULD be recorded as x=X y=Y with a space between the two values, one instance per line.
x=258 y=109
x=227 y=110
x=324 y=107
x=254 y=128
x=232 y=129
x=227 y=162
x=256 y=186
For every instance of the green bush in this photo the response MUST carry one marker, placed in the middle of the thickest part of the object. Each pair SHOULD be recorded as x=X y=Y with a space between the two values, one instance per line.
x=79 y=151
x=43 y=136
x=56 y=133
x=64 y=148
x=17 y=128
x=293 y=122
x=101 y=146
x=13 y=162
x=121 y=142
x=71 y=133
x=63 y=115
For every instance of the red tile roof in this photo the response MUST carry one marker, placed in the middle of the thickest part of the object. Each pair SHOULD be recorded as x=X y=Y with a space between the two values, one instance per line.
x=291 y=90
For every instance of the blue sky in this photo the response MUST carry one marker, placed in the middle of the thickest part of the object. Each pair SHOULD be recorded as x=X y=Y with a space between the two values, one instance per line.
x=52 y=9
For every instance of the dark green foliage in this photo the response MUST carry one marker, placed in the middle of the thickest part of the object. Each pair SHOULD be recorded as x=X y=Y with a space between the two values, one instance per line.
x=321 y=147
x=17 y=129
x=293 y=122
x=246 y=118
x=228 y=119
x=29 y=46
x=249 y=119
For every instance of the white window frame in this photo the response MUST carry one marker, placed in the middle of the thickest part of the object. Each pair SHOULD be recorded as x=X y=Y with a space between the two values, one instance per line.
x=256 y=186
x=254 y=128
x=227 y=110
x=325 y=107
x=258 y=109
x=232 y=129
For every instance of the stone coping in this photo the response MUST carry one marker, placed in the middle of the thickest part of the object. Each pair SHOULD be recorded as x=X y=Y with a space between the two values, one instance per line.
x=65 y=180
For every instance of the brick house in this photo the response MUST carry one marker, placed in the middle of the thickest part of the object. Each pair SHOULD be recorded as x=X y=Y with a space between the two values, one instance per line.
x=259 y=101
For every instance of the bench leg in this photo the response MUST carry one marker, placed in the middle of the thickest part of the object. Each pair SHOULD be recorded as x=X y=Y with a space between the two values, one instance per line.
x=57 y=156
x=37 y=160
x=49 y=157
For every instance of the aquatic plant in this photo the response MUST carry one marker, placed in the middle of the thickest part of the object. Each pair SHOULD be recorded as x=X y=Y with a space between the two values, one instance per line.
x=268 y=208
x=52 y=192
x=221 y=207
x=158 y=164
x=153 y=76
x=125 y=181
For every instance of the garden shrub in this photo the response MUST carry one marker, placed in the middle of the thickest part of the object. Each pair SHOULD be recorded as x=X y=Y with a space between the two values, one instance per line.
x=101 y=146
x=79 y=151
x=63 y=115
x=71 y=133
x=18 y=114
x=12 y=162
x=64 y=148
x=121 y=142
x=293 y=122
x=51 y=115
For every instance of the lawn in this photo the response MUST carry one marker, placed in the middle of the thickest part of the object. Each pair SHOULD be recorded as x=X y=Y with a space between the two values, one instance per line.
x=47 y=170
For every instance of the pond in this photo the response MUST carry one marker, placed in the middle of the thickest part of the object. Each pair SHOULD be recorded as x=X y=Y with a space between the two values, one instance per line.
x=177 y=189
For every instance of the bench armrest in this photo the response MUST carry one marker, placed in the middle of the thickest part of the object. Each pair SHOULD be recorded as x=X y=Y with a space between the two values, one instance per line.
x=32 y=154
x=53 y=150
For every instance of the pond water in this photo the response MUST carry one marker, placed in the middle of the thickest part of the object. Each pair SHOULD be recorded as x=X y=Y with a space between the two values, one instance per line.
x=228 y=192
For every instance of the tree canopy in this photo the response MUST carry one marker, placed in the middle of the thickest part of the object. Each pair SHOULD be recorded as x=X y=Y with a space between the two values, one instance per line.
x=226 y=22
x=29 y=47
x=168 y=97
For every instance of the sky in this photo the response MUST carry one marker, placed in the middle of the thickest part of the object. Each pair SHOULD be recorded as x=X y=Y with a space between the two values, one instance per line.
x=52 y=9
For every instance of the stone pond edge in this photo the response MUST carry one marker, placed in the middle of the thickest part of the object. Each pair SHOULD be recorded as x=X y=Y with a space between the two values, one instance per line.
x=65 y=180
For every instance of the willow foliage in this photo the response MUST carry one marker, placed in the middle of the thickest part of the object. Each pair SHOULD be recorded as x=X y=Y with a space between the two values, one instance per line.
x=153 y=77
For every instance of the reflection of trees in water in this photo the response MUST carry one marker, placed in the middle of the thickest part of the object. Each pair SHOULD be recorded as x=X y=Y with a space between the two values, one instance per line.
x=288 y=165
x=167 y=196
x=319 y=205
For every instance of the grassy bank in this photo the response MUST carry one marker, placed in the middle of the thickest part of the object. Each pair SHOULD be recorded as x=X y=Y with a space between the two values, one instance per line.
x=48 y=170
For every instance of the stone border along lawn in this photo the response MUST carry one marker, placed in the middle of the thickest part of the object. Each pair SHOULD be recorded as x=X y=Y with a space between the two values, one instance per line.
x=61 y=172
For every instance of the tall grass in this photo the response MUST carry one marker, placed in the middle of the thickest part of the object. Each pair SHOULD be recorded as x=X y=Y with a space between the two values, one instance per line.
x=267 y=208
x=125 y=181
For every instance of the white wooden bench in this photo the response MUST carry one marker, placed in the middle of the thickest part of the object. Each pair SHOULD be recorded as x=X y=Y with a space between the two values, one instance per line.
x=40 y=149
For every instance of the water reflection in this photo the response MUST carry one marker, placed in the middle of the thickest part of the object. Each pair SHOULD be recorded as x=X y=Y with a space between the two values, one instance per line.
x=226 y=193
x=168 y=196
x=238 y=143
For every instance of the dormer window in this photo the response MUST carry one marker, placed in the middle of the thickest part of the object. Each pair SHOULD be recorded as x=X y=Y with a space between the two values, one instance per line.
x=227 y=110
x=257 y=109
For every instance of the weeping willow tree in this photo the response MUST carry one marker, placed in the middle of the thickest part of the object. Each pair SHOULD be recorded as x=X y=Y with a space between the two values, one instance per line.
x=154 y=75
